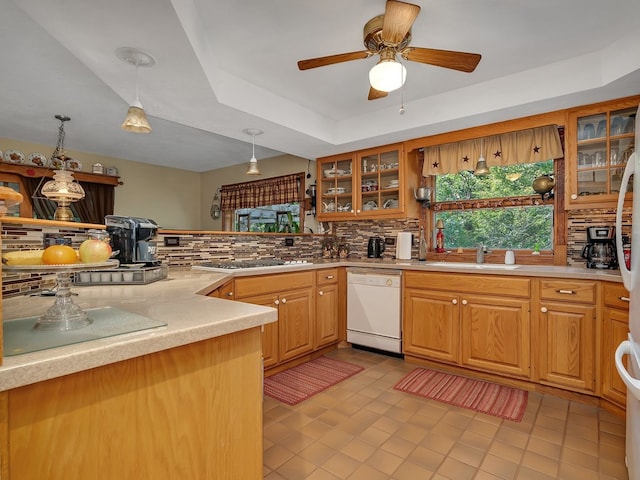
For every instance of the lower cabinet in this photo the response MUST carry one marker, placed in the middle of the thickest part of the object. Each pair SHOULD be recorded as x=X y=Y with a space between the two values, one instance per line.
x=566 y=329
x=495 y=334
x=327 y=294
x=477 y=329
x=615 y=329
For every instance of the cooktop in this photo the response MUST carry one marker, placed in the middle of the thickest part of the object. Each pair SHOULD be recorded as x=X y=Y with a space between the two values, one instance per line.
x=258 y=263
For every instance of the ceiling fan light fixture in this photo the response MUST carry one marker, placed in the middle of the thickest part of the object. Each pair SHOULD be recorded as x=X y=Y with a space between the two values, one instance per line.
x=387 y=75
x=253 y=162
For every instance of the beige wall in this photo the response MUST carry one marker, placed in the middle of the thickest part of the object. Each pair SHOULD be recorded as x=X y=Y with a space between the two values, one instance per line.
x=270 y=167
x=174 y=198
x=169 y=196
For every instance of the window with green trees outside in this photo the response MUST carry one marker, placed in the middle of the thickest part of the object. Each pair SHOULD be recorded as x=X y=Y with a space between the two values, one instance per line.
x=499 y=225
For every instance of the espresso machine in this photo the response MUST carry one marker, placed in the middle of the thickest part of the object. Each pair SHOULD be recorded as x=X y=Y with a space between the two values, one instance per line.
x=600 y=250
x=134 y=238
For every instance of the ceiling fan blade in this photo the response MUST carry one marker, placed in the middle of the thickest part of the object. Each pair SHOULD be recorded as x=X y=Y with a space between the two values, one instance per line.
x=375 y=94
x=331 y=59
x=398 y=18
x=462 y=61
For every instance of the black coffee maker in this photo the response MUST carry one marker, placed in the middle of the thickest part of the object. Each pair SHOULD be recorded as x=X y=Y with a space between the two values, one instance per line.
x=134 y=238
x=600 y=251
x=375 y=248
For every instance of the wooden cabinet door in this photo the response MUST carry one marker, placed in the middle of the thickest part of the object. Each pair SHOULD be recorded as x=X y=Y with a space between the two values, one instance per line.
x=223 y=291
x=431 y=325
x=270 y=355
x=295 y=315
x=326 y=315
x=615 y=329
x=495 y=334
x=567 y=345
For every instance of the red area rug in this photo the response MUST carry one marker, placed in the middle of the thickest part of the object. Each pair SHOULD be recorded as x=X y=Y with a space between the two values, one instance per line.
x=497 y=400
x=303 y=381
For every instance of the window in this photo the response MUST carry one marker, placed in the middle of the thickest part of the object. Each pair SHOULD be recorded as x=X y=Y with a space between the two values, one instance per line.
x=499 y=210
x=282 y=218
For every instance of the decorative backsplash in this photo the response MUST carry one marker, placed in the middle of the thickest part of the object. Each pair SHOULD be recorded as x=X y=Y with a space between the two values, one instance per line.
x=195 y=248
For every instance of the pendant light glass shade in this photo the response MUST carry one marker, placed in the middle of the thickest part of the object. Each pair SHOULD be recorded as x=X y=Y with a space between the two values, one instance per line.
x=136 y=120
x=253 y=162
x=481 y=166
x=63 y=189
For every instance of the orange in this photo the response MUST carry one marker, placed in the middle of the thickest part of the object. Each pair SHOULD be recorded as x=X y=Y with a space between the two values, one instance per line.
x=59 y=255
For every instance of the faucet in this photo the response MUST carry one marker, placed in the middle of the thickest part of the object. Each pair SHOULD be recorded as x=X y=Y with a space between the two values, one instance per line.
x=480 y=251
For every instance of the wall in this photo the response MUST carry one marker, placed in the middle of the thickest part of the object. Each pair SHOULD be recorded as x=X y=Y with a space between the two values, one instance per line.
x=169 y=196
x=270 y=167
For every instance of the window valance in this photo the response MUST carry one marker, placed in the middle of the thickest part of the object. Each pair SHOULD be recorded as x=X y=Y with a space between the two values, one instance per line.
x=270 y=191
x=524 y=146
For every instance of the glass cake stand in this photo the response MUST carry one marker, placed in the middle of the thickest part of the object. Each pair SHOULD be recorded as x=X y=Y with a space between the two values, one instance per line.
x=63 y=314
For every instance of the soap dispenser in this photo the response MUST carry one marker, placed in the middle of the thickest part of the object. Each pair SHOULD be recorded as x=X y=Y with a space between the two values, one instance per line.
x=509 y=257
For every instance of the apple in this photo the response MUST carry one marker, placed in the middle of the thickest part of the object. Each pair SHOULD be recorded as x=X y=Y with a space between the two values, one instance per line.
x=94 y=251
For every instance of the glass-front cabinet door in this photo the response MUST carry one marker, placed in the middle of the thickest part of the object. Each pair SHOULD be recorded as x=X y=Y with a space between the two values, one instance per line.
x=379 y=174
x=335 y=187
x=599 y=141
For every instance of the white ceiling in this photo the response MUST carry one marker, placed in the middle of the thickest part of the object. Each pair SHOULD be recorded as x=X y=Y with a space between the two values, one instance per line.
x=226 y=65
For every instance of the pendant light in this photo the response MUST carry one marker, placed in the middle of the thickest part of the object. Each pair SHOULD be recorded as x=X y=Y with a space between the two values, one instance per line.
x=253 y=163
x=62 y=189
x=481 y=166
x=136 y=120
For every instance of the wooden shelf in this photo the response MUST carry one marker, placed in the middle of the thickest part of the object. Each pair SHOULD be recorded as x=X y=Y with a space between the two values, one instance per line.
x=36 y=172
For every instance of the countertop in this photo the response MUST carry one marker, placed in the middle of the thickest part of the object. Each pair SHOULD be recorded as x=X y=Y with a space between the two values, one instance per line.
x=180 y=301
x=434 y=266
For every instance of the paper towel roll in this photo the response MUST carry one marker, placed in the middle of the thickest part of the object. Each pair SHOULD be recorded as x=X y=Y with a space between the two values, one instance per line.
x=403 y=245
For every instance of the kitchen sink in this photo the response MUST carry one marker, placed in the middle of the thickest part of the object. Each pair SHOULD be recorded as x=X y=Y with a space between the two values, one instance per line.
x=477 y=266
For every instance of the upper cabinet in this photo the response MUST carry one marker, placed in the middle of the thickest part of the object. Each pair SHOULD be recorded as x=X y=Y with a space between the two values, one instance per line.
x=374 y=183
x=599 y=141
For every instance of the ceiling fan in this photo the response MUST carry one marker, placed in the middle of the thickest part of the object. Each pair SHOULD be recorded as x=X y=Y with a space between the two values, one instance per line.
x=389 y=35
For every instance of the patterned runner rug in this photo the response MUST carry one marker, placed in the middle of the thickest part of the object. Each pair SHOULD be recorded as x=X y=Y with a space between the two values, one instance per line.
x=303 y=381
x=497 y=400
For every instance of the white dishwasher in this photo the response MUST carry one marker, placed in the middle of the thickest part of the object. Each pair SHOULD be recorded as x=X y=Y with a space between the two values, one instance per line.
x=373 y=309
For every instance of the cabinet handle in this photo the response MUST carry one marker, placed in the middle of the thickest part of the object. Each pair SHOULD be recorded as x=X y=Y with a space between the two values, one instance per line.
x=454 y=301
x=277 y=302
x=329 y=277
x=464 y=302
x=230 y=294
x=574 y=196
x=284 y=300
x=566 y=292
x=624 y=299
x=357 y=211
x=544 y=310
x=320 y=293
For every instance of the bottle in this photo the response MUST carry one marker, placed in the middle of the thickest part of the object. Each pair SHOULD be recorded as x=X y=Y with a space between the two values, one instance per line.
x=422 y=249
x=509 y=257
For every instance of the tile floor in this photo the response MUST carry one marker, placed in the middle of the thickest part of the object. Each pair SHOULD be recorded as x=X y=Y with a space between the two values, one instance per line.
x=363 y=429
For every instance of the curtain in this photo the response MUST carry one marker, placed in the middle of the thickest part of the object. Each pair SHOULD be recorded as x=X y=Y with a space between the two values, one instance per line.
x=524 y=146
x=98 y=201
x=259 y=193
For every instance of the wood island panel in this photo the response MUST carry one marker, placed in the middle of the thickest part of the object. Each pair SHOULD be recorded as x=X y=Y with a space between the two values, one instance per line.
x=188 y=412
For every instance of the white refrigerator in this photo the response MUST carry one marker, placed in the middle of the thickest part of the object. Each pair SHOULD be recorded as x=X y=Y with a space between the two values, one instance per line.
x=631 y=278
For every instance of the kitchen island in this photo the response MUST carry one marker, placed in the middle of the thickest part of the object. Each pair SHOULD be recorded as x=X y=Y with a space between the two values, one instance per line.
x=178 y=401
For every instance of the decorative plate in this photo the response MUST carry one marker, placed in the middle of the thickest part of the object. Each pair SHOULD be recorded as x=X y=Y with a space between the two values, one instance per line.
x=73 y=164
x=13 y=156
x=37 y=159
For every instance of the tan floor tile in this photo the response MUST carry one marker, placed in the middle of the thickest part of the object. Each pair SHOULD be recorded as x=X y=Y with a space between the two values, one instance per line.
x=481 y=427
x=274 y=476
x=365 y=472
x=296 y=468
x=385 y=462
x=399 y=446
x=512 y=436
x=411 y=471
x=456 y=470
x=506 y=451
x=457 y=419
x=374 y=436
x=336 y=438
x=387 y=424
x=296 y=441
x=321 y=474
x=317 y=453
x=341 y=465
x=579 y=458
x=466 y=454
x=613 y=428
x=276 y=456
x=540 y=463
x=526 y=473
x=613 y=469
x=552 y=436
x=411 y=433
x=542 y=447
x=582 y=444
x=485 y=476
x=475 y=440
x=499 y=467
x=358 y=449
x=550 y=422
x=438 y=443
x=427 y=458
x=567 y=471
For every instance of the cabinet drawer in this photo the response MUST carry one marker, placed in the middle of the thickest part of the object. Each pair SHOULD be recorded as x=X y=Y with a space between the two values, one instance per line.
x=472 y=283
x=326 y=276
x=282 y=282
x=616 y=296
x=568 y=290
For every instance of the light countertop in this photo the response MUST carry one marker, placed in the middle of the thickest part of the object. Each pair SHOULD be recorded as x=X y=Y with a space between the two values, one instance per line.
x=180 y=301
